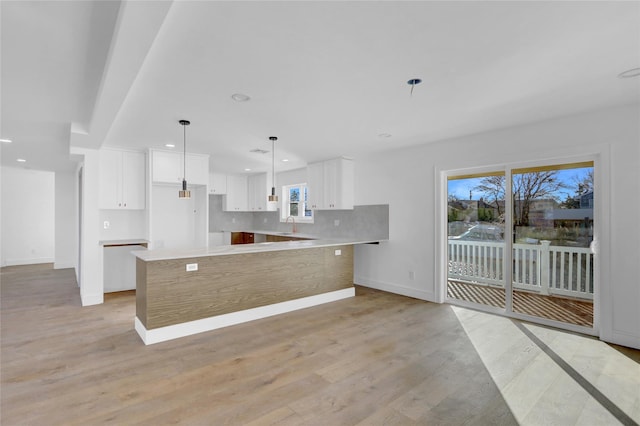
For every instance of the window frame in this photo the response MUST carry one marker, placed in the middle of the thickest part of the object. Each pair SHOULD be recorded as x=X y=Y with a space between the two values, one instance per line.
x=285 y=203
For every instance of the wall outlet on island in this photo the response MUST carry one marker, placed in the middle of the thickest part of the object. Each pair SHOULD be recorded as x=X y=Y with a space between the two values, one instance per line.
x=192 y=267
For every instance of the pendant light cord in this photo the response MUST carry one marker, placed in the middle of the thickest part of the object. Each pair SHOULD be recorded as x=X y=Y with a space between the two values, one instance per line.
x=184 y=152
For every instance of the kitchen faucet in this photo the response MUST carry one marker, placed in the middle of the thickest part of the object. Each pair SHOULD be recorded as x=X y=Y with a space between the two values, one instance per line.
x=293 y=229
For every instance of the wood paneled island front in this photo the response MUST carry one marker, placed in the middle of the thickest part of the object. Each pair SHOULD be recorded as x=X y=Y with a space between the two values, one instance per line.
x=235 y=284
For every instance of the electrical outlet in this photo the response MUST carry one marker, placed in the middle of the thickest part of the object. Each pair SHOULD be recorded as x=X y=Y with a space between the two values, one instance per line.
x=412 y=275
x=264 y=220
x=336 y=222
x=233 y=220
x=192 y=267
x=106 y=224
x=338 y=252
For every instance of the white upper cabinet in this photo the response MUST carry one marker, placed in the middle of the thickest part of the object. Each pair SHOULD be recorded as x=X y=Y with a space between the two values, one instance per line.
x=217 y=183
x=236 y=198
x=331 y=184
x=259 y=191
x=122 y=179
x=168 y=167
x=315 y=185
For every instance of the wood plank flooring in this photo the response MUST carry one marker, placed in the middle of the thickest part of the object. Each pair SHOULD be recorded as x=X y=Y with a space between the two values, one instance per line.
x=374 y=359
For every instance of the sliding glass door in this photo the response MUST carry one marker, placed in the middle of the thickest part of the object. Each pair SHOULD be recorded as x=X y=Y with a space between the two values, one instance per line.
x=553 y=222
x=475 y=239
x=545 y=225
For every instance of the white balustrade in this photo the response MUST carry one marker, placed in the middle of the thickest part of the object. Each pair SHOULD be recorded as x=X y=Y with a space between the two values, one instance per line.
x=542 y=268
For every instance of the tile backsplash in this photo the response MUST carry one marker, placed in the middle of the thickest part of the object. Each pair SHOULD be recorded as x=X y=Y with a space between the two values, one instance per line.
x=368 y=222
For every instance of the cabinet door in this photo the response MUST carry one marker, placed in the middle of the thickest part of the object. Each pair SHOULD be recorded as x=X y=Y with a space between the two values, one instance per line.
x=258 y=192
x=197 y=169
x=315 y=185
x=133 y=180
x=217 y=183
x=166 y=167
x=339 y=184
x=110 y=179
x=236 y=198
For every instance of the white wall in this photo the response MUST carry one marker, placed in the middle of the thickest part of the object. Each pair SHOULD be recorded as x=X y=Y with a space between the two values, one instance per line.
x=27 y=216
x=66 y=212
x=91 y=267
x=409 y=181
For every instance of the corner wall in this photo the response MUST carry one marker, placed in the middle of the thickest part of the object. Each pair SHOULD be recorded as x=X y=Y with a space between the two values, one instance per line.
x=408 y=180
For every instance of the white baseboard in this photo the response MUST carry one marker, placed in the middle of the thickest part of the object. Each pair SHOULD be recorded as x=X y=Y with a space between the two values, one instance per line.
x=394 y=288
x=34 y=261
x=170 y=332
x=623 y=339
x=63 y=265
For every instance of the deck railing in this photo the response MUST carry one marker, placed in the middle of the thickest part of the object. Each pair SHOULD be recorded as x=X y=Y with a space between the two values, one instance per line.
x=541 y=268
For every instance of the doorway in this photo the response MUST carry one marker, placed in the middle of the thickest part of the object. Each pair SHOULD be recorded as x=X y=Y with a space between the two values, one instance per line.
x=519 y=243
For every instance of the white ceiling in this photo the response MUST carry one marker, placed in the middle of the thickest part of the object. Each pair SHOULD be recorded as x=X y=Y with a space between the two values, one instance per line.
x=327 y=78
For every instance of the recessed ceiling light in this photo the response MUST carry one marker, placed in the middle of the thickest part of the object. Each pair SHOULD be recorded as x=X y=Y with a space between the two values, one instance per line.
x=240 y=97
x=247 y=170
x=384 y=135
x=169 y=145
x=633 y=72
x=284 y=160
x=21 y=160
x=6 y=140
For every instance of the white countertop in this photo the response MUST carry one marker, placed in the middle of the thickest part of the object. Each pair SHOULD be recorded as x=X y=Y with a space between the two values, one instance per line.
x=166 y=254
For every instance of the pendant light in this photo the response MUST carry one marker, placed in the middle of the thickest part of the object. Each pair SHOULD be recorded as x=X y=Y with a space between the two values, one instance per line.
x=413 y=83
x=273 y=197
x=184 y=193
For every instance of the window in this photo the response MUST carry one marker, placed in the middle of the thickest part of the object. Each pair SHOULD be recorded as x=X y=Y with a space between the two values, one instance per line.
x=294 y=203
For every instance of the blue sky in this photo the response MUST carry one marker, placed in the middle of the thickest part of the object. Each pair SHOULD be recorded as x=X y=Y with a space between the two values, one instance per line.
x=460 y=188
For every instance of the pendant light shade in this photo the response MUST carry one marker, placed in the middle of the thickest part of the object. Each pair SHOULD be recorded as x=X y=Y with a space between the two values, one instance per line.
x=273 y=197
x=184 y=192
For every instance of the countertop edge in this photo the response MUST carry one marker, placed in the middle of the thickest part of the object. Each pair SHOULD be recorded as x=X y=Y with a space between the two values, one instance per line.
x=169 y=254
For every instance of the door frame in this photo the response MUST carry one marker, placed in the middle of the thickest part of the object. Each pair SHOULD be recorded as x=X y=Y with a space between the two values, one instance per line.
x=601 y=303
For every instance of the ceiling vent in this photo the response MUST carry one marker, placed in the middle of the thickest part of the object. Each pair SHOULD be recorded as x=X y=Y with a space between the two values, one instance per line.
x=259 y=151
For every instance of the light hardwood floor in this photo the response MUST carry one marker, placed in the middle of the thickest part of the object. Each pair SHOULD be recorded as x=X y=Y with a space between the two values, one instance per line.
x=374 y=359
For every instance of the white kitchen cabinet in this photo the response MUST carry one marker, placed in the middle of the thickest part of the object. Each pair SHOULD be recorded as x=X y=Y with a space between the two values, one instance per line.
x=315 y=185
x=122 y=179
x=259 y=191
x=168 y=167
x=217 y=183
x=331 y=184
x=236 y=198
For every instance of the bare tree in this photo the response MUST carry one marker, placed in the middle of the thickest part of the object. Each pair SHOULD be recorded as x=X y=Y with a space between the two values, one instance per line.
x=528 y=187
x=584 y=184
x=492 y=187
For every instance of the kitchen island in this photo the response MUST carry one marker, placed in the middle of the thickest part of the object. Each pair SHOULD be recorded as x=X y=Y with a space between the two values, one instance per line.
x=183 y=292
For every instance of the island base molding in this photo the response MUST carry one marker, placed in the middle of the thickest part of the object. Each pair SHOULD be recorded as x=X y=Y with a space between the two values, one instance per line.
x=175 y=331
